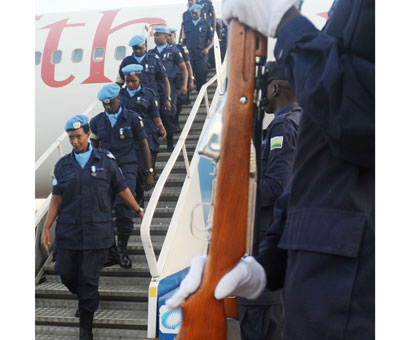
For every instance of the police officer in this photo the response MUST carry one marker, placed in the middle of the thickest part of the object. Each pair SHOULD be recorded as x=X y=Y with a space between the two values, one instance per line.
x=262 y=318
x=85 y=182
x=172 y=60
x=186 y=56
x=324 y=223
x=199 y=40
x=153 y=75
x=222 y=33
x=143 y=101
x=118 y=129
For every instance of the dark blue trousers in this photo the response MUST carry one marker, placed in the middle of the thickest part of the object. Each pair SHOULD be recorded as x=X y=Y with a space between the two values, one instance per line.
x=123 y=214
x=79 y=272
x=200 y=69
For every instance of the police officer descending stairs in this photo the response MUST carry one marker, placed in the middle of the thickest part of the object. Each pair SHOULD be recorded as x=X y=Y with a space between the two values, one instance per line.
x=122 y=312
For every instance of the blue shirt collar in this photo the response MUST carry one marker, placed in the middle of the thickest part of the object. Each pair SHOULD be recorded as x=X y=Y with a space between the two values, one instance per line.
x=139 y=59
x=195 y=22
x=133 y=92
x=114 y=117
x=160 y=48
x=82 y=158
x=285 y=109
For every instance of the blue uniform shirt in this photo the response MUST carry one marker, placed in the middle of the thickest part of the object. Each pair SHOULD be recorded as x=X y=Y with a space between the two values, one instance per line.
x=171 y=58
x=85 y=213
x=153 y=70
x=146 y=104
x=278 y=153
x=197 y=37
x=121 y=138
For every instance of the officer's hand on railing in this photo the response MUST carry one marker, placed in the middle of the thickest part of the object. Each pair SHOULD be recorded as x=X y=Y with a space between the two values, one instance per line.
x=247 y=279
x=262 y=16
x=45 y=239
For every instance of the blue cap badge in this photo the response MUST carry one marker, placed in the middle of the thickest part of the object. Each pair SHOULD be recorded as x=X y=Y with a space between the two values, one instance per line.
x=108 y=92
x=163 y=30
x=137 y=40
x=132 y=69
x=195 y=7
x=76 y=122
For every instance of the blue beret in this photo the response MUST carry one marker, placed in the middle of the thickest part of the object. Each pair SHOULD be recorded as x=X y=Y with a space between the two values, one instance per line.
x=132 y=69
x=162 y=30
x=195 y=7
x=108 y=92
x=137 y=40
x=76 y=122
x=275 y=71
x=219 y=20
x=172 y=30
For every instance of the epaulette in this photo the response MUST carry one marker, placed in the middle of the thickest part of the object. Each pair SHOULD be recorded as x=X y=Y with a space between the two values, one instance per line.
x=110 y=155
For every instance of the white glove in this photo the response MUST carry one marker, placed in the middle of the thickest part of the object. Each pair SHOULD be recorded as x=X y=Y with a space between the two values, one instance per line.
x=246 y=279
x=263 y=16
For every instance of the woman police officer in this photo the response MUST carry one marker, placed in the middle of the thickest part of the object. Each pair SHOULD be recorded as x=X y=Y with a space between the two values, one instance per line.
x=84 y=186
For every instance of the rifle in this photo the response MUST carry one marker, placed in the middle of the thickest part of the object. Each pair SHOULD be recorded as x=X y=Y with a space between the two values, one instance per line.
x=204 y=316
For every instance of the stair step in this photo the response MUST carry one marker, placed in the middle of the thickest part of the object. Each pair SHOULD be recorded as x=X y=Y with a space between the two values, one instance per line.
x=72 y=333
x=127 y=287
x=109 y=313
x=140 y=268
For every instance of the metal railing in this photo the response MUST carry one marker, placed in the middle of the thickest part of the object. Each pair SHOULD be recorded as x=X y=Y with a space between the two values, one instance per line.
x=157 y=190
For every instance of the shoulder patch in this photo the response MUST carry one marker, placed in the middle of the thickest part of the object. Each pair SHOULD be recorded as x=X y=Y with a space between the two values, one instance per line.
x=141 y=121
x=156 y=103
x=211 y=28
x=276 y=142
x=180 y=54
x=156 y=56
x=186 y=50
x=110 y=155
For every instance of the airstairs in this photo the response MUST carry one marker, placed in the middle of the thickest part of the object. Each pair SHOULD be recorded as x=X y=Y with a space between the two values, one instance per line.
x=123 y=309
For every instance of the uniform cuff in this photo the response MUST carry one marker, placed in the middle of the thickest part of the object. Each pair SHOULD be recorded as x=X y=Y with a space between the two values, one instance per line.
x=290 y=34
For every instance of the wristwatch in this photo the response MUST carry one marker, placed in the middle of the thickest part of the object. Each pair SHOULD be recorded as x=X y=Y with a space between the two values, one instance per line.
x=139 y=210
x=168 y=98
x=150 y=170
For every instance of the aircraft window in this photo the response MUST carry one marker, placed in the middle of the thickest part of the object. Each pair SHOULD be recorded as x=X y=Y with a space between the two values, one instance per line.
x=56 y=57
x=77 y=55
x=37 y=58
x=99 y=54
x=120 y=52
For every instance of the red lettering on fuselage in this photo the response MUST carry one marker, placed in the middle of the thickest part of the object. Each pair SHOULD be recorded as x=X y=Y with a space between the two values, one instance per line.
x=47 y=68
x=101 y=38
x=103 y=31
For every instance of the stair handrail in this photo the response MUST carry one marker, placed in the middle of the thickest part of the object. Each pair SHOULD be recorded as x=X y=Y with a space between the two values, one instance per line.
x=157 y=190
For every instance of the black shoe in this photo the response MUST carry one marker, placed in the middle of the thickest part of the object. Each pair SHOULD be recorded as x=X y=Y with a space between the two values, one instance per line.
x=124 y=260
x=113 y=256
x=85 y=325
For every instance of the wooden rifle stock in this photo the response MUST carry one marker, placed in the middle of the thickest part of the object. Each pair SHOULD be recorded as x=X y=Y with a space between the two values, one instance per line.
x=203 y=315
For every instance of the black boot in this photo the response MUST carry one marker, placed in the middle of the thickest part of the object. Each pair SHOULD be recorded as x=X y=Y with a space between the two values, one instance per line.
x=124 y=260
x=85 y=323
x=170 y=142
x=113 y=256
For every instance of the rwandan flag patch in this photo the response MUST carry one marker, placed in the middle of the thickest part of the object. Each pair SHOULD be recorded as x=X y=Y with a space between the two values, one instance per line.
x=276 y=142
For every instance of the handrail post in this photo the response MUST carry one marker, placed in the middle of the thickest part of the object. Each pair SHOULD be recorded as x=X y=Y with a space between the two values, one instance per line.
x=207 y=103
x=187 y=163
